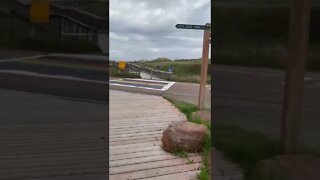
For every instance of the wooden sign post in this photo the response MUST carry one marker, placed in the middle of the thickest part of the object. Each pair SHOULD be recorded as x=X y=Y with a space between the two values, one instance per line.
x=205 y=54
x=294 y=79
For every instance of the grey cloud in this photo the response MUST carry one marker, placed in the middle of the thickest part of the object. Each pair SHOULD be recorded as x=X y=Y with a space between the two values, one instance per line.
x=145 y=29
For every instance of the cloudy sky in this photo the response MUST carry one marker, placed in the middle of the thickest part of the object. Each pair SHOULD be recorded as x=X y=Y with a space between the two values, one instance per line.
x=145 y=29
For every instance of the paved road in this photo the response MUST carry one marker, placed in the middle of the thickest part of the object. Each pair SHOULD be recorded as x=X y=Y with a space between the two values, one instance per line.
x=189 y=92
x=252 y=98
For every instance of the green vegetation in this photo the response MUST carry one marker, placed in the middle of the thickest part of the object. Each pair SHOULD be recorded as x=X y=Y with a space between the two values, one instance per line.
x=241 y=146
x=114 y=72
x=182 y=154
x=183 y=70
x=206 y=158
x=187 y=109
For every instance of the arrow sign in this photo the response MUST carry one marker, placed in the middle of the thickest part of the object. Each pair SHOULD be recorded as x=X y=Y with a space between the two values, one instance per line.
x=192 y=26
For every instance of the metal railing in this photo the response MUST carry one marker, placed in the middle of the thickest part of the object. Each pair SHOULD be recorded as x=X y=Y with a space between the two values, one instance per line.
x=152 y=72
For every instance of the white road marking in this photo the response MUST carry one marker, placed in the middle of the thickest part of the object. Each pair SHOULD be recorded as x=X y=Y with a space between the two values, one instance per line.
x=166 y=86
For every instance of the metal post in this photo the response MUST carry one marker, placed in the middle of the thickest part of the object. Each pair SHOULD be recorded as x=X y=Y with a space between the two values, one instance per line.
x=294 y=79
x=204 y=69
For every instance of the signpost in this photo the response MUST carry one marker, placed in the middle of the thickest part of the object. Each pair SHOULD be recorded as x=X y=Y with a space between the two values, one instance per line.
x=205 y=53
x=294 y=79
x=192 y=26
x=40 y=11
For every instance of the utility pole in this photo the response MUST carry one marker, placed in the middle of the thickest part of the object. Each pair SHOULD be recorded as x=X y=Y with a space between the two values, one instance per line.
x=294 y=78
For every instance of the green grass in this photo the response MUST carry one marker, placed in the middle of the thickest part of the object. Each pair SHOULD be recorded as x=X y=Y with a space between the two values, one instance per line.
x=183 y=70
x=206 y=168
x=182 y=154
x=242 y=147
x=188 y=109
x=185 y=108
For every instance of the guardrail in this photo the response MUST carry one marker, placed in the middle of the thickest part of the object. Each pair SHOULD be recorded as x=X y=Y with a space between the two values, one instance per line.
x=152 y=72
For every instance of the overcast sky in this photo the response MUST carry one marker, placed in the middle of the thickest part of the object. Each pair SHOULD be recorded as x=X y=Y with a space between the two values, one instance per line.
x=145 y=29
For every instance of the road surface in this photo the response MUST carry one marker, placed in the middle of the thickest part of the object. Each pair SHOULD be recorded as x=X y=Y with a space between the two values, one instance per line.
x=251 y=98
x=189 y=92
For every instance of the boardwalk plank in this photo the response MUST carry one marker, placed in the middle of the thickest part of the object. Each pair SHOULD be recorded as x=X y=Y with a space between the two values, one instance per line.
x=156 y=172
x=135 y=139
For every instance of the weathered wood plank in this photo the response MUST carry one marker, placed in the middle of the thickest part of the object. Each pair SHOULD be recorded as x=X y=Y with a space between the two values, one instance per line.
x=154 y=165
x=156 y=172
x=177 y=176
x=136 y=126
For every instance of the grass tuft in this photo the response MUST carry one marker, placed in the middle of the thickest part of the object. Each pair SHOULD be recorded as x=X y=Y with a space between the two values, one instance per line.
x=187 y=109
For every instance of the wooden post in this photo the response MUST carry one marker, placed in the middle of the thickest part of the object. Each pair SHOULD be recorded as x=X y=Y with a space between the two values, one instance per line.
x=294 y=78
x=204 y=69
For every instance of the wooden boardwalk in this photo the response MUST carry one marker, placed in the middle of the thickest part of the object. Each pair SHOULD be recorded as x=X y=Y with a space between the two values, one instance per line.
x=135 y=129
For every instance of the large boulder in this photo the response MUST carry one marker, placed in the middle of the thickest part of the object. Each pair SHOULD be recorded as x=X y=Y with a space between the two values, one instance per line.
x=184 y=136
x=201 y=115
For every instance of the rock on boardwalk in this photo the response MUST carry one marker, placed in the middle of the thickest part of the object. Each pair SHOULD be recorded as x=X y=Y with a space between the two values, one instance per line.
x=184 y=136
